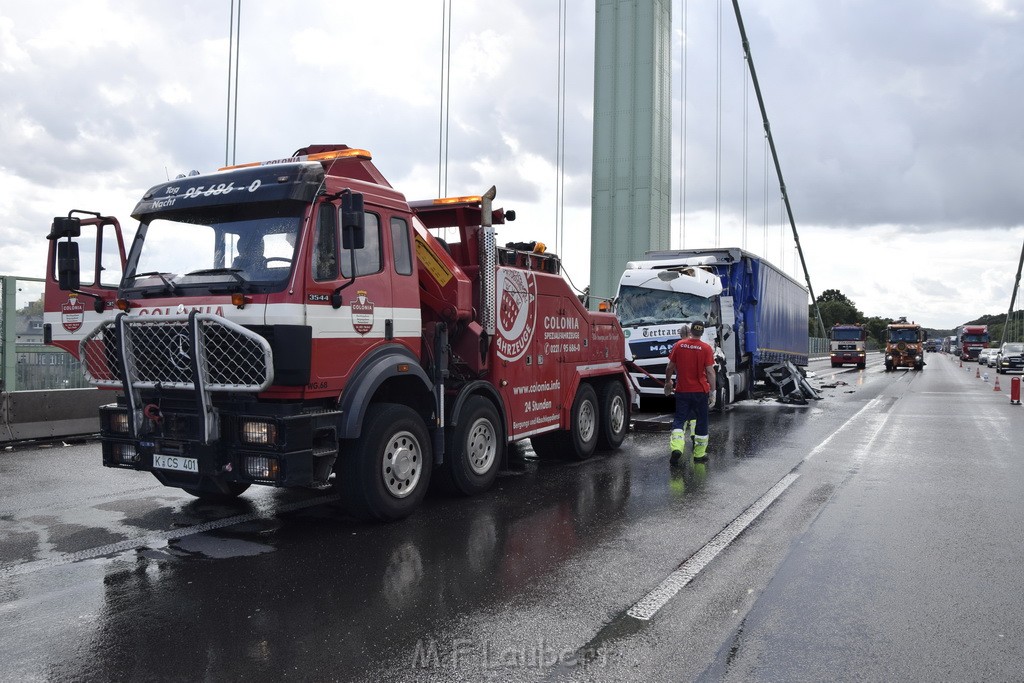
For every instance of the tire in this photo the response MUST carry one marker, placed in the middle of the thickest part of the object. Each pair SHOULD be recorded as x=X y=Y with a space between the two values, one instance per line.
x=586 y=423
x=387 y=471
x=748 y=380
x=836 y=365
x=216 y=491
x=721 y=397
x=861 y=366
x=614 y=422
x=478 y=447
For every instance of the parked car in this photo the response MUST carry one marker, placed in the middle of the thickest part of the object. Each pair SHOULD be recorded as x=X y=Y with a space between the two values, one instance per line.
x=987 y=357
x=1010 y=357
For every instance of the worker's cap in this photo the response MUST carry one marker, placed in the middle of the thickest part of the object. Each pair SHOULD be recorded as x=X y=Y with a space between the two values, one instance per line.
x=697 y=327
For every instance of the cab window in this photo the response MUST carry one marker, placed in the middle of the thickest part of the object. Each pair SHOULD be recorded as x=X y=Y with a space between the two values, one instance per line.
x=329 y=258
x=400 y=245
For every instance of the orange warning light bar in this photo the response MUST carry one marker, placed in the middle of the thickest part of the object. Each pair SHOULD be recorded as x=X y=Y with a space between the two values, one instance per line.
x=319 y=156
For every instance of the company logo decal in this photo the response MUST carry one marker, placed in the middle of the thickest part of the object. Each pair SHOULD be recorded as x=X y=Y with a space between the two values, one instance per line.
x=362 y=313
x=517 y=315
x=72 y=314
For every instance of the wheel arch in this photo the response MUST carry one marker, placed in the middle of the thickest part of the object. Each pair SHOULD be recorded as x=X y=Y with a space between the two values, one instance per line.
x=391 y=374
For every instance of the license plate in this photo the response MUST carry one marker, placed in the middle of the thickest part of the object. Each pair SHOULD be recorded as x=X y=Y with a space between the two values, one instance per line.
x=174 y=462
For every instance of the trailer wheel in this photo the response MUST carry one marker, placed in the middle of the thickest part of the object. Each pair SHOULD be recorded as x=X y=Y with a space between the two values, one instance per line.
x=478 y=444
x=614 y=420
x=585 y=423
x=216 y=491
x=386 y=473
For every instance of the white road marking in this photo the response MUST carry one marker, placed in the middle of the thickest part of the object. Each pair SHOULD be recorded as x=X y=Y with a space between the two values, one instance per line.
x=648 y=606
x=821 y=446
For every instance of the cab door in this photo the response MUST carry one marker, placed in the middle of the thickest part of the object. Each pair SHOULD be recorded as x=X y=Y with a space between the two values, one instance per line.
x=84 y=266
x=349 y=316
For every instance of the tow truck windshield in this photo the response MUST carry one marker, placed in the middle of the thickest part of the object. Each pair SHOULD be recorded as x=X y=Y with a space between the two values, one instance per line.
x=642 y=306
x=228 y=247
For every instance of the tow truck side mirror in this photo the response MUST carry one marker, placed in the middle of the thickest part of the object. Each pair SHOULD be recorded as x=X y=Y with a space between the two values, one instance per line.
x=68 y=266
x=352 y=221
x=65 y=226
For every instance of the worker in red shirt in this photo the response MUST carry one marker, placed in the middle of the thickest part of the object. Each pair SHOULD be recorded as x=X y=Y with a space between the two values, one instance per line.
x=692 y=362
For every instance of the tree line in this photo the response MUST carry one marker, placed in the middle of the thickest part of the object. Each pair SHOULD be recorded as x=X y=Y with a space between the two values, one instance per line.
x=836 y=308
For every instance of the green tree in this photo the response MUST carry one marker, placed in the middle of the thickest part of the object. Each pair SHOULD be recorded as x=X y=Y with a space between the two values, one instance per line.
x=835 y=307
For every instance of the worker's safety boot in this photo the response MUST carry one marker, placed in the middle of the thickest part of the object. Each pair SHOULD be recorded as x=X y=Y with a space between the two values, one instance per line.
x=700 y=447
x=677 y=442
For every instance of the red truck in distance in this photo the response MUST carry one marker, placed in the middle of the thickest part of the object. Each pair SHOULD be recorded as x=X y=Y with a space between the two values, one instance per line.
x=848 y=344
x=972 y=339
x=295 y=323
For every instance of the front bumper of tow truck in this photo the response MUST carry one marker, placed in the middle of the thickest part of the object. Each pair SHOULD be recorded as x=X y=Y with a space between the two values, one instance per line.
x=269 y=445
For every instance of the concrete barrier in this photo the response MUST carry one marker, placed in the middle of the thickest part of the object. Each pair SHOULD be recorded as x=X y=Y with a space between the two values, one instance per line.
x=51 y=414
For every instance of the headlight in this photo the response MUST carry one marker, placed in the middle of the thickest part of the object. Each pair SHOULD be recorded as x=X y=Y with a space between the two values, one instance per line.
x=261 y=467
x=258 y=432
x=119 y=422
x=125 y=453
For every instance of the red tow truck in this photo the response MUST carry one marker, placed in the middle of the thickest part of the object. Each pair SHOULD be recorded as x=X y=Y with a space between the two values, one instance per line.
x=295 y=323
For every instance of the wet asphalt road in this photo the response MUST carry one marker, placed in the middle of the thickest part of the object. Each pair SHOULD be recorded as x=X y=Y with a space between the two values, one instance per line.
x=892 y=552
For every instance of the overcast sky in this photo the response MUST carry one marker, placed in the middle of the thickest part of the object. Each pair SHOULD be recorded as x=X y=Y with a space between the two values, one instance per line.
x=900 y=125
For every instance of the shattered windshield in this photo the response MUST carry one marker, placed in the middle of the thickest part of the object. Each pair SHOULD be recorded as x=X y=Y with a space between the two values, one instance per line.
x=239 y=245
x=642 y=306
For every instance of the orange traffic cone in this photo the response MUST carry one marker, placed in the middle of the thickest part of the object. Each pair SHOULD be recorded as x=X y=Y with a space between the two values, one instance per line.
x=977 y=373
x=996 y=387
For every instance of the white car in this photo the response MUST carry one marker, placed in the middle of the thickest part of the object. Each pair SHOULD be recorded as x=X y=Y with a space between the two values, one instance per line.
x=988 y=357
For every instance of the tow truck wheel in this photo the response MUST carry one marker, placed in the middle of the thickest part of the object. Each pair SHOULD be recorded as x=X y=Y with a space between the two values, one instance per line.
x=214 y=491
x=477 y=448
x=386 y=471
x=614 y=420
x=585 y=423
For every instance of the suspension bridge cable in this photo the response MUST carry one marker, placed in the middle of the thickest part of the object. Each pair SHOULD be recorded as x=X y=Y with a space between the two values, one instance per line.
x=718 y=129
x=560 y=130
x=227 y=119
x=682 y=137
x=444 y=99
x=746 y=136
x=238 y=54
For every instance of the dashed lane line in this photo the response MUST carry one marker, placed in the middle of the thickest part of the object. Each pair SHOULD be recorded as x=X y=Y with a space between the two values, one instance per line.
x=649 y=605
